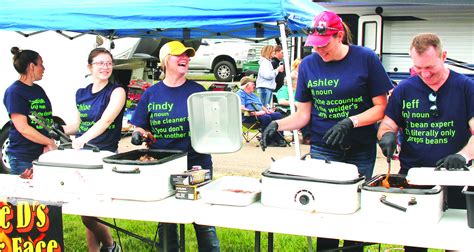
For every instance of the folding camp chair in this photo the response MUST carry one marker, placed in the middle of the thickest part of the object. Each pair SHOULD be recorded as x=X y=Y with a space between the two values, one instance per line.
x=251 y=130
x=251 y=127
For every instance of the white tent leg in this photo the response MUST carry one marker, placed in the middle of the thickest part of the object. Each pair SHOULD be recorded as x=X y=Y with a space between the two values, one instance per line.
x=286 y=58
x=310 y=243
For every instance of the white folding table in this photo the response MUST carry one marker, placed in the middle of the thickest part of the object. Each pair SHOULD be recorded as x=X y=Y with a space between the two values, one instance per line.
x=168 y=210
x=451 y=232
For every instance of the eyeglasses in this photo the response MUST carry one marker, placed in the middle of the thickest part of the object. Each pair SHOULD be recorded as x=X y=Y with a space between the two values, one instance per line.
x=321 y=30
x=103 y=64
x=434 y=107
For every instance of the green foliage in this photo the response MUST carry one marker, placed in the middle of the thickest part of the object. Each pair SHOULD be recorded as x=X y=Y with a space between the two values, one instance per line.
x=230 y=239
x=200 y=77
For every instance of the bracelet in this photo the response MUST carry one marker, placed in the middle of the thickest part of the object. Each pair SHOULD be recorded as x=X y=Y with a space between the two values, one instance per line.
x=355 y=121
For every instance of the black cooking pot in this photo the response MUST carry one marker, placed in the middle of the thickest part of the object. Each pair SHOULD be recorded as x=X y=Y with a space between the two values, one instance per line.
x=398 y=184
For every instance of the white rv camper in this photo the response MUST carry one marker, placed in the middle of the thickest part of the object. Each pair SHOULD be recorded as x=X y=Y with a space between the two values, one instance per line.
x=388 y=26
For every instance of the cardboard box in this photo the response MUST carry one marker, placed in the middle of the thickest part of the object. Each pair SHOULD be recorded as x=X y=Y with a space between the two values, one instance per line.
x=189 y=192
x=190 y=177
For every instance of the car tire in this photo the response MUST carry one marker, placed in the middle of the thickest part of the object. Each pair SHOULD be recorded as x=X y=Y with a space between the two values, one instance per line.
x=4 y=142
x=224 y=71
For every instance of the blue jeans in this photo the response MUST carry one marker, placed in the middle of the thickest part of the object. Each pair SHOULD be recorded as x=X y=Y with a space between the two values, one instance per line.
x=18 y=166
x=206 y=237
x=363 y=158
x=265 y=95
x=265 y=120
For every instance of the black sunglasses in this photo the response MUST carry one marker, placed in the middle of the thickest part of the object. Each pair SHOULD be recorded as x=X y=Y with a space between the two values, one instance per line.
x=321 y=30
x=434 y=107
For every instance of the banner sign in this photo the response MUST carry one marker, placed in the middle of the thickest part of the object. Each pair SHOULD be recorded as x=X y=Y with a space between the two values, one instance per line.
x=30 y=226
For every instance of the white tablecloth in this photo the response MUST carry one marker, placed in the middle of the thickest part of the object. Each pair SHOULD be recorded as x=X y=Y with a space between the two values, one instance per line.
x=452 y=231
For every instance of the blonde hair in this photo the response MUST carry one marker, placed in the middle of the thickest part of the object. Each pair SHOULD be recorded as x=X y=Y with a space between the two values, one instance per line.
x=294 y=75
x=267 y=52
x=423 y=41
x=295 y=64
x=164 y=62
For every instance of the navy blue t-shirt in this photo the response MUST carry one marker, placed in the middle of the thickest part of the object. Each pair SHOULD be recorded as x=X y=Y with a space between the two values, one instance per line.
x=426 y=137
x=23 y=99
x=163 y=111
x=91 y=106
x=340 y=89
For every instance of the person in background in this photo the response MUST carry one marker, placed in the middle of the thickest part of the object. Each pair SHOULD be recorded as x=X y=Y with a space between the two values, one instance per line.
x=251 y=103
x=437 y=100
x=100 y=107
x=277 y=60
x=283 y=105
x=266 y=76
x=151 y=119
x=295 y=65
x=28 y=140
x=342 y=90
x=282 y=94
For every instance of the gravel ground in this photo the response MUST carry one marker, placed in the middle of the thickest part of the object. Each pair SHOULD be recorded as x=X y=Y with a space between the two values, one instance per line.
x=251 y=161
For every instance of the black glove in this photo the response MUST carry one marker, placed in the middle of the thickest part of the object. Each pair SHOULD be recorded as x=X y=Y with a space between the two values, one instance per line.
x=53 y=133
x=58 y=127
x=268 y=133
x=137 y=138
x=453 y=161
x=335 y=135
x=388 y=144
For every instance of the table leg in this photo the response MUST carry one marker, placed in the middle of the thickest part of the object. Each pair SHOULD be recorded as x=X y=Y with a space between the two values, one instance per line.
x=310 y=243
x=257 y=241
x=270 y=242
x=165 y=238
x=119 y=229
x=182 y=232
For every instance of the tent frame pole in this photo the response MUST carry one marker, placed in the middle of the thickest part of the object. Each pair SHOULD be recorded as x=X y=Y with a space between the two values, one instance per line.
x=286 y=60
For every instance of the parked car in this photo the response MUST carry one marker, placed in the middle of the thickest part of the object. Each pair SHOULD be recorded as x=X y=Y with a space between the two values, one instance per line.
x=250 y=68
x=224 y=58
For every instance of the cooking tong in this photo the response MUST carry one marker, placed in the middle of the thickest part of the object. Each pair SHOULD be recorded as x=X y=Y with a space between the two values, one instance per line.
x=385 y=182
x=50 y=127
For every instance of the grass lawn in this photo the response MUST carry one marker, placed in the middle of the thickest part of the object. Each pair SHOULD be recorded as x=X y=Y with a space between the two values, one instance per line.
x=201 y=76
x=230 y=239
